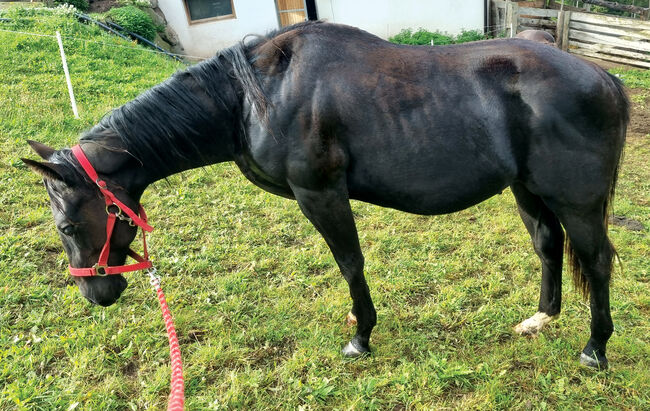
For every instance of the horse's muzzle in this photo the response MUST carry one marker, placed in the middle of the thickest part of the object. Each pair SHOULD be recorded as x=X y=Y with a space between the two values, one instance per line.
x=104 y=291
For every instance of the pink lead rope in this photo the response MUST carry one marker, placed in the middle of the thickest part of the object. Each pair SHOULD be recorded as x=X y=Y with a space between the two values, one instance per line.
x=177 y=392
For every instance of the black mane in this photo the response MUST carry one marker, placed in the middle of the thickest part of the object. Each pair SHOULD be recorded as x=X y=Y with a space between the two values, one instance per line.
x=170 y=120
x=167 y=120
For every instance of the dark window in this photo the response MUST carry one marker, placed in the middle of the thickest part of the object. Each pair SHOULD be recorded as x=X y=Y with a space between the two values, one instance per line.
x=209 y=9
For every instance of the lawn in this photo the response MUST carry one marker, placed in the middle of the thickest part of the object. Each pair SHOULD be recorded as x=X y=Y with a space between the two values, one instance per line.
x=258 y=301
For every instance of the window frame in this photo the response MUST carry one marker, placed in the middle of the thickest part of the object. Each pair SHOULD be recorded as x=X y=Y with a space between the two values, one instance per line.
x=191 y=22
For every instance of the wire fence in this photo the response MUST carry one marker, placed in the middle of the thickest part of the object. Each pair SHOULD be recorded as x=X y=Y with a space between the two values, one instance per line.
x=69 y=38
x=73 y=38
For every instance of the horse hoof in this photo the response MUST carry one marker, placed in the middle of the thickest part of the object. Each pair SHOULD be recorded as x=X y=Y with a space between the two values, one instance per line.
x=354 y=350
x=592 y=362
x=533 y=325
x=351 y=319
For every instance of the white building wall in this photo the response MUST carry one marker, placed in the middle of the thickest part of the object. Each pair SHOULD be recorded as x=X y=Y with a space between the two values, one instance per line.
x=204 y=39
x=385 y=18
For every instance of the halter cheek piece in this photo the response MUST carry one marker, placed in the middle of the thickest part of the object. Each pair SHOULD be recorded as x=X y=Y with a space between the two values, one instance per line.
x=115 y=210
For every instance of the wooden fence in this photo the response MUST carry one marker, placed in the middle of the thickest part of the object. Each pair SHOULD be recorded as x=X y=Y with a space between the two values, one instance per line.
x=610 y=38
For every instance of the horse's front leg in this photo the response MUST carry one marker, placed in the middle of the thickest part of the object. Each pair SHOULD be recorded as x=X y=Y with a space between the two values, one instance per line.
x=328 y=209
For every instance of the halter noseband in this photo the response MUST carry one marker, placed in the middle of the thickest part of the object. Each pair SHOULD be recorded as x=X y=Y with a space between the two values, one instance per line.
x=115 y=210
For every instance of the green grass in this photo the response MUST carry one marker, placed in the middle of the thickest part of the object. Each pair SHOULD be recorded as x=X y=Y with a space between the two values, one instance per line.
x=258 y=301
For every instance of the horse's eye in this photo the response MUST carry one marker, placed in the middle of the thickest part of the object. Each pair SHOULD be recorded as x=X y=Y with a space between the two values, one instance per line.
x=67 y=230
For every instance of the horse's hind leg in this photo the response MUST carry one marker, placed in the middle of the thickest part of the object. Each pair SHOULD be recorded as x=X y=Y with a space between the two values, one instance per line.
x=328 y=208
x=548 y=240
x=587 y=233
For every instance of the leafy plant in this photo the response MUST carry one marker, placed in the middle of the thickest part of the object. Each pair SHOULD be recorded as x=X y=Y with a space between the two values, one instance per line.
x=421 y=37
x=137 y=3
x=437 y=38
x=135 y=20
x=81 y=5
x=466 y=36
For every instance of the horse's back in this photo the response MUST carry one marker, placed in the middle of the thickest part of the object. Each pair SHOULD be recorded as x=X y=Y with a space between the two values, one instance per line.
x=436 y=129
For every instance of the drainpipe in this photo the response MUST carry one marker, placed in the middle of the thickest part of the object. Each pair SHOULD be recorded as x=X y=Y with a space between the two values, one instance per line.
x=486 y=17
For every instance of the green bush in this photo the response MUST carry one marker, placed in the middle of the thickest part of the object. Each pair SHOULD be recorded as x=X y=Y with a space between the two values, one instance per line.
x=470 y=35
x=421 y=37
x=137 y=3
x=425 y=37
x=81 y=5
x=135 y=20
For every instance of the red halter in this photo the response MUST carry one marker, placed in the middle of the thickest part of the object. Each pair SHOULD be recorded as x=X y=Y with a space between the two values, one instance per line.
x=101 y=268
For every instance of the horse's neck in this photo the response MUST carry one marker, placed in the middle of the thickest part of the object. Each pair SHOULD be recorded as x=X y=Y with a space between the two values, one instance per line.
x=174 y=145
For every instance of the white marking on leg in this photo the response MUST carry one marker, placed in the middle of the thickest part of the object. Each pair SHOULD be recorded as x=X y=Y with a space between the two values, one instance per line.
x=533 y=325
x=351 y=320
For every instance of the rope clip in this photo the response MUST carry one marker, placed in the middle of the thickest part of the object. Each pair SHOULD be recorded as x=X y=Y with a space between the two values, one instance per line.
x=154 y=280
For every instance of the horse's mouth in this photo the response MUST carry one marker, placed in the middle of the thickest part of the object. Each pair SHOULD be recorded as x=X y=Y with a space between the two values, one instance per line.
x=102 y=302
x=107 y=295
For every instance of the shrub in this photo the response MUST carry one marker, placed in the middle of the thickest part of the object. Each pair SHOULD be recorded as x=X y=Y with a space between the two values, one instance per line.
x=81 y=5
x=135 y=20
x=137 y=3
x=425 y=37
x=466 y=36
x=421 y=37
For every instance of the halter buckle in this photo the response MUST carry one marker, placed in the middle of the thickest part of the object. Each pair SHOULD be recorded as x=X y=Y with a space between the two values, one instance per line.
x=101 y=273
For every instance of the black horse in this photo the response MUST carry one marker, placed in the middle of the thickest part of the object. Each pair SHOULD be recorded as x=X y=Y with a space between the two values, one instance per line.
x=324 y=113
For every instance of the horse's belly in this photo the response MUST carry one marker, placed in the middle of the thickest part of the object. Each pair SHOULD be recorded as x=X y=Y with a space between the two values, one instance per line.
x=428 y=188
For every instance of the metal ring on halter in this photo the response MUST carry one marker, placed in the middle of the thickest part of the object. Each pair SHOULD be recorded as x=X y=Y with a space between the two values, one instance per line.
x=98 y=267
x=119 y=211
x=120 y=215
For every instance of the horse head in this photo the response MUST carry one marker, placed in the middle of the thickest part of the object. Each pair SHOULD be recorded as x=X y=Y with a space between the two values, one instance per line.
x=80 y=215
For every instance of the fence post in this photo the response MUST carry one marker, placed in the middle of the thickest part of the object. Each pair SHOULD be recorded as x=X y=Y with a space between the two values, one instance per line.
x=559 y=29
x=566 y=20
x=512 y=18
x=67 y=76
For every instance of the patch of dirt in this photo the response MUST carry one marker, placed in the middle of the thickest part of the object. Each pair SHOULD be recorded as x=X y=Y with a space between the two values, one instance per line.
x=193 y=336
x=625 y=222
x=423 y=294
x=130 y=369
x=101 y=6
x=271 y=353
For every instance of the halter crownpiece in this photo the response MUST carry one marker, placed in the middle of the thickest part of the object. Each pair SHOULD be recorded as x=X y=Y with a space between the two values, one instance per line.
x=115 y=210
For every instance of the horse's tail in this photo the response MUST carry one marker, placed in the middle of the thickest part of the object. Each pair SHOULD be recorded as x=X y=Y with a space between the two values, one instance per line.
x=623 y=104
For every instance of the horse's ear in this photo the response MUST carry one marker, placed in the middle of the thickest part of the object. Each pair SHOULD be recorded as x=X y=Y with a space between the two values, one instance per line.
x=46 y=170
x=41 y=149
